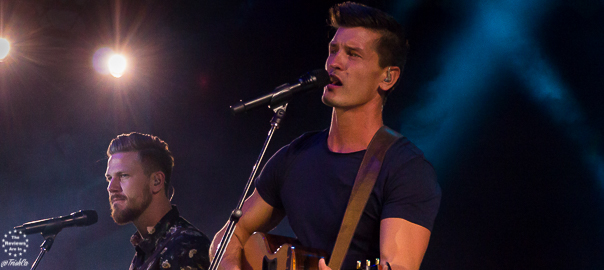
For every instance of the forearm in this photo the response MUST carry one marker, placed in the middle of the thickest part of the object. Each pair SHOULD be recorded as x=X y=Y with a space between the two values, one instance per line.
x=232 y=255
x=395 y=267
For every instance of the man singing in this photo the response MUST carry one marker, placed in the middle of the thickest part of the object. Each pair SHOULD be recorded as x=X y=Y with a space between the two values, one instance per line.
x=138 y=176
x=310 y=180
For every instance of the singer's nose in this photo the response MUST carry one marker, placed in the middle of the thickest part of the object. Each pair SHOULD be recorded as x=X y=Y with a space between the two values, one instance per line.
x=334 y=62
x=113 y=186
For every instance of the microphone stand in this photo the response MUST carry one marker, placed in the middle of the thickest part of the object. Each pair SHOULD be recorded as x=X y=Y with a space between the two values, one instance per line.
x=237 y=213
x=49 y=235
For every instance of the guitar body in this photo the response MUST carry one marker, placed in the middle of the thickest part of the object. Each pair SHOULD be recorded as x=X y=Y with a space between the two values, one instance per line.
x=273 y=252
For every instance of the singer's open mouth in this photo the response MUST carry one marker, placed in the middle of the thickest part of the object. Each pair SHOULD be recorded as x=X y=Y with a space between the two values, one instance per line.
x=335 y=80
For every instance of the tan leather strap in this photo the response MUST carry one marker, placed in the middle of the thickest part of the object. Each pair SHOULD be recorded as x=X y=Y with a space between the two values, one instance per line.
x=363 y=185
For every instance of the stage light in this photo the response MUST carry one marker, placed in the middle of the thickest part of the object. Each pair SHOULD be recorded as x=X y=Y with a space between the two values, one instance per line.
x=4 y=48
x=117 y=65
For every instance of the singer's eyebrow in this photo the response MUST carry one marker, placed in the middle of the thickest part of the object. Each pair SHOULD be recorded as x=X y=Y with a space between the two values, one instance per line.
x=354 y=49
x=347 y=47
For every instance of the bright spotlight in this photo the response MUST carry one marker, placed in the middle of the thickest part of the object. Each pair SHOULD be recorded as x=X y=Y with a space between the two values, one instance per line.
x=117 y=65
x=4 y=48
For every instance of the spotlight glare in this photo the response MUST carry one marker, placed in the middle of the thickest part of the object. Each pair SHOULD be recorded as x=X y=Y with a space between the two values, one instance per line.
x=100 y=58
x=4 y=48
x=117 y=65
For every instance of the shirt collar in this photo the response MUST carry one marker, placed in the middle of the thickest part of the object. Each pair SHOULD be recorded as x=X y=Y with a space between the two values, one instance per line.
x=156 y=233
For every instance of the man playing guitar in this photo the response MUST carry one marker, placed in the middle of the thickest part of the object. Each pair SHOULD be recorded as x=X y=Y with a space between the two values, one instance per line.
x=310 y=180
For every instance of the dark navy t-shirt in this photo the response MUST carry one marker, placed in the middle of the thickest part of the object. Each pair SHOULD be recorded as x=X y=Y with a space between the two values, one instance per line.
x=312 y=185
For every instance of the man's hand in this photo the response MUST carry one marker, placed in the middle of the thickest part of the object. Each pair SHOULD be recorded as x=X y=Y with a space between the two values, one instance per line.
x=322 y=265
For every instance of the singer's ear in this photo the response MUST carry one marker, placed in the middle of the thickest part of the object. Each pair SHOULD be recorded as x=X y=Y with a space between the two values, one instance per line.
x=158 y=179
x=390 y=76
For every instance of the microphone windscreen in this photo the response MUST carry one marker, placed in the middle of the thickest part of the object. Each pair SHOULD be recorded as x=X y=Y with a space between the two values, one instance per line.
x=91 y=217
x=321 y=77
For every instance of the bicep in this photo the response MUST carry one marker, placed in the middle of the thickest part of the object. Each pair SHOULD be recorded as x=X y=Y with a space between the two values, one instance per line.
x=402 y=243
x=258 y=216
x=412 y=193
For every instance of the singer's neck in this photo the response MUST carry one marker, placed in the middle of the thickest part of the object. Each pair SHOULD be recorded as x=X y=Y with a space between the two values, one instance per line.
x=351 y=130
x=156 y=210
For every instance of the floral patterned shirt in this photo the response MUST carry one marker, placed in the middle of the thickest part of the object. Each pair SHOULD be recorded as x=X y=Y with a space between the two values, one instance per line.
x=172 y=244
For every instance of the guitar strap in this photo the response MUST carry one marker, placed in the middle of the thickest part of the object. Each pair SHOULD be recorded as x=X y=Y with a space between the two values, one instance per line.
x=363 y=185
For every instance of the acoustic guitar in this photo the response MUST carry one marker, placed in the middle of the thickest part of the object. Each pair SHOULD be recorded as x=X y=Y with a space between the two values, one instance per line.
x=274 y=252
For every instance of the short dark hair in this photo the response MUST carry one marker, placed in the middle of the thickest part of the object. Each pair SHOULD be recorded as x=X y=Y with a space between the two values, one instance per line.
x=391 y=48
x=152 y=152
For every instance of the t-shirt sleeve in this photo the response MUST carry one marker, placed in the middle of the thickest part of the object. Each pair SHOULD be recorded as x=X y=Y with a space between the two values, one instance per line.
x=412 y=193
x=268 y=184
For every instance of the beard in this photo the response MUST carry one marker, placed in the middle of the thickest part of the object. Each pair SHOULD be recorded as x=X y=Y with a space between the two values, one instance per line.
x=131 y=210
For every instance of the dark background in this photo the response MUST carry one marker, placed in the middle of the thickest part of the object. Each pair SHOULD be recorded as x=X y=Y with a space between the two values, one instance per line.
x=504 y=98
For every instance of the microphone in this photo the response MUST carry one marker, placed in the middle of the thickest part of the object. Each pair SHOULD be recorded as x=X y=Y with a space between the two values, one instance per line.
x=79 y=218
x=315 y=79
